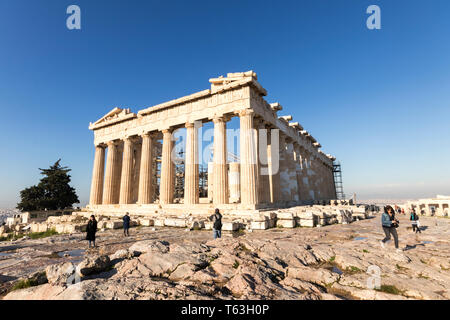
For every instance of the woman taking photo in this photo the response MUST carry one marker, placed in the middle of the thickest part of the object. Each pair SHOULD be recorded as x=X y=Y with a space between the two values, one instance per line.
x=389 y=224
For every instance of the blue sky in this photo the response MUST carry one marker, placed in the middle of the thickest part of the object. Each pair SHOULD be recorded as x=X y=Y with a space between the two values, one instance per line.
x=379 y=100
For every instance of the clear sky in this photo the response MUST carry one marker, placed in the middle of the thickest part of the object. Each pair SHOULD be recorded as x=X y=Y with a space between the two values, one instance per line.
x=379 y=100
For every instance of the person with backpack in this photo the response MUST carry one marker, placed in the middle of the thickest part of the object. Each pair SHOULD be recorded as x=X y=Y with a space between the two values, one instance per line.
x=126 y=224
x=216 y=218
x=415 y=221
x=91 y=230
x=389 y=224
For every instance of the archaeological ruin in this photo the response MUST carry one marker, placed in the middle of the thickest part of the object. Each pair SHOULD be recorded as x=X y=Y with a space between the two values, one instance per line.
x=274 y=169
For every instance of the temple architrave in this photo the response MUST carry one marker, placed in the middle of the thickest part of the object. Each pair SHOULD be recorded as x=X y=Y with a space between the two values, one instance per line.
x=279 y=164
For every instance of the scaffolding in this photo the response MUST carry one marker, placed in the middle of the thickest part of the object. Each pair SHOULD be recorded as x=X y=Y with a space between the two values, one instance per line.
x=337 y=172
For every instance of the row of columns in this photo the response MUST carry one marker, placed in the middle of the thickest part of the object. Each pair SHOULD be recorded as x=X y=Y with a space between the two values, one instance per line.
x=291 y=181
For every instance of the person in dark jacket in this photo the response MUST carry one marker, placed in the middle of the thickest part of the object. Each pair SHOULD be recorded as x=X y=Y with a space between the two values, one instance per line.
x=91 y=230
x=389 y=224
x=216 y=218
x=126 y=224
x=415 y=221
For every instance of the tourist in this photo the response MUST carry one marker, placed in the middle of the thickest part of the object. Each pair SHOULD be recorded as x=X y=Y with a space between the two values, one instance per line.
x=403 y=211
x=216 y=218
x=91 y=230
x=126 y=224
x=389 y=224
x=415 y=221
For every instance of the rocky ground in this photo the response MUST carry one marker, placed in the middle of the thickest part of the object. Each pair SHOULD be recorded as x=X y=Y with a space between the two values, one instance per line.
x=329 y=262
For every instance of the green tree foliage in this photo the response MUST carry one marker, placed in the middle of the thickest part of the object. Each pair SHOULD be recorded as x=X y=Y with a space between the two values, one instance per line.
x=52 y=193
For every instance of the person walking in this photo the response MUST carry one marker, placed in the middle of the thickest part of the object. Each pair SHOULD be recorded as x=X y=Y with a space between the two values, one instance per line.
x=126 y=224
x=91 y=230
x=389 y=224
x=216 y=218
x=415 y=221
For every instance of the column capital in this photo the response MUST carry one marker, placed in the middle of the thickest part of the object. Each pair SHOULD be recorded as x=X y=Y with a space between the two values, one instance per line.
x=101 y=145
x=167 y=130
x=220 y=118
x=111 y=143
x=189 y=125
x=146 y=134
x=246 y=112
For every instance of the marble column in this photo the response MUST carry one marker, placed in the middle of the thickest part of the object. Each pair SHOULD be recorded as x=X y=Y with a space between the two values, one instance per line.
x=145 y=195
x=166 y=192
x=313 y=175
x=234 y=182
x=191 y=178
x=210 y=181
x=220 y=174
x=97 y=176
x=111 y=174
x=249 y=159
x=333 y=185
x=126 y=181
x=284 y=170
x=309 y=175
x=263 y=170
x=298 y=172
x=273 y=158
x=292 y=171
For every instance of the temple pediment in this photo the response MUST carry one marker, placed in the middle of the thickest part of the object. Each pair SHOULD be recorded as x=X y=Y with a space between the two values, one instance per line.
x=114 y=116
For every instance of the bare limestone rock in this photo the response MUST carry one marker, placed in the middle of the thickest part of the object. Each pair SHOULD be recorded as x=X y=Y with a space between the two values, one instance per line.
x=150 y=246
x=93 y=264
x=60 y=274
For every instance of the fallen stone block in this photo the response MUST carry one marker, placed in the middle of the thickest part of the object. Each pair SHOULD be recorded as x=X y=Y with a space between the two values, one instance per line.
x=114 y=224
x=259 y=225
x=146 y=222
x=171 y=222
x=306 y=223
x=286 y=223
x=230 y=226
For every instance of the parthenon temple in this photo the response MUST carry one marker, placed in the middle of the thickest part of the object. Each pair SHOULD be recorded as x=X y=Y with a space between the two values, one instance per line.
x=278 y=164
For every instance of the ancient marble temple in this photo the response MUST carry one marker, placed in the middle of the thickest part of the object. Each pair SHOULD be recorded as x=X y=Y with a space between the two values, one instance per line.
x=279 y=164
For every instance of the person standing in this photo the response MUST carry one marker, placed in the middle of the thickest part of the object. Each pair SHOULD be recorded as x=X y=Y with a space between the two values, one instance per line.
x=216 y=218
x=91 y=230
x=389 y=224
x=415 y=221
x=126 y=224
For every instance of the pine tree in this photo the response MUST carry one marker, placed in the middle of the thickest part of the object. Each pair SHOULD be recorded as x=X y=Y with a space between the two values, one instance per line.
x=52 y=193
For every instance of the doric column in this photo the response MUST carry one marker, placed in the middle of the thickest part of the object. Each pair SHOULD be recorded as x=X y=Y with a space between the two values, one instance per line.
x=97 y=176
x=220 y=174
x=234 y=182
x=191 y=179
x=145 y=194
x=284 y=170
x=249 y=158
x=298 y=172
x=292 y=171
x=263 y=170
x=111 y=174
x=330 y=180
x=210 y=181
x=273 y=159
x=313 y=175
x=308 y=174
x=167 y=169
x=126 y=181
